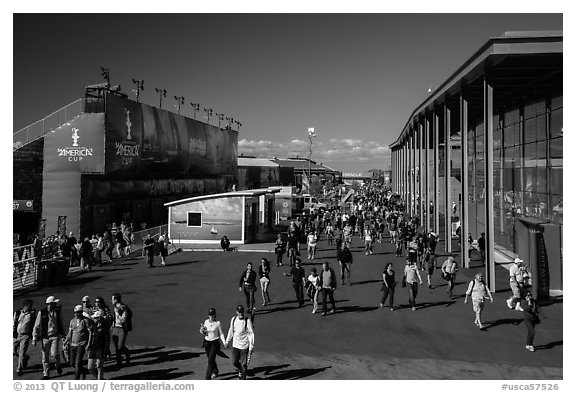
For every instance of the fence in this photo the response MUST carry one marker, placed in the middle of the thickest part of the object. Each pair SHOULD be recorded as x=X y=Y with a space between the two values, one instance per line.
x=24 y=267
x=51 y=122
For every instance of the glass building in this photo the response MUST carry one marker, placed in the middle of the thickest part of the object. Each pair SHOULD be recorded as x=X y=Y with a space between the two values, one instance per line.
x=485 y=148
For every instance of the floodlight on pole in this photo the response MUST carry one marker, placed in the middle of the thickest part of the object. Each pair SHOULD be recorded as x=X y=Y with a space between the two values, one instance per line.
x=209 y=113
x=179 y=102
x=139 y=87
x=161 y=93
x=220 y=117
x=105 y=74
x=196 y=107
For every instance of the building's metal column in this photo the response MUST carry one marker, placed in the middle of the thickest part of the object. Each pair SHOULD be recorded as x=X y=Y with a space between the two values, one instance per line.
x=427 y=173
x=413 y=163
x=435 y=131
x=489 y=182
x=419 y=174
x=409 y=173
x=447 y=188
x=464 y=179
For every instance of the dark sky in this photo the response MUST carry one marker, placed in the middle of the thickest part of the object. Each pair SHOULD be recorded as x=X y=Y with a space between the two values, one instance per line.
x=354 y=77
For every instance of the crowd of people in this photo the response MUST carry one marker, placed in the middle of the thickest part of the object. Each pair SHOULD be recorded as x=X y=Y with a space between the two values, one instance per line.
x=371 y=218
x=89 y=332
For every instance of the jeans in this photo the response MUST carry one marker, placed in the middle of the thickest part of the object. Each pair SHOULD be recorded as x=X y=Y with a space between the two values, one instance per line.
x=388 y=292
x=299 y=291
x=21 y=347
x=50 y=349
x=327 y=292
x=119 y=336
x=531 y=326
x=240 y=361
x=211 y=348
x=76 y=359
x=345 y=272
x=279 y=258
x=413 y=292
x=249 y=294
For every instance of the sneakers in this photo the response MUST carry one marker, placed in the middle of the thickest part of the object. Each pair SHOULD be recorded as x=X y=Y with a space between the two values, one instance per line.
x=19 y=373
x=332 y=311
x=381 y=305
x=45 y=377
x=323 y=314
x=413 y=308
x=530 y=348
x=59 y=370
x=509 y=303
x=518 y=308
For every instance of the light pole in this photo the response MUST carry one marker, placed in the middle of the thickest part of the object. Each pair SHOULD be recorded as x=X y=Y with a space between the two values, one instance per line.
x=311 y=134
x=230 y=120
x=220 y=117
x=161 y=93
x=180 y=102
x=209 y=113
x=139 y=87
x=106 y=74
x=196 y=107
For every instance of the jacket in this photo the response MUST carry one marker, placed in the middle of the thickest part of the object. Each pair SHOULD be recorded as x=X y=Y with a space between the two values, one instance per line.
x=251 y=279
x=41 y=325
x=333 y=280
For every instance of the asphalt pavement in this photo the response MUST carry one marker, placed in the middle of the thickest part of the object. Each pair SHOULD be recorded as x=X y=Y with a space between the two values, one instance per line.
x=360 y=341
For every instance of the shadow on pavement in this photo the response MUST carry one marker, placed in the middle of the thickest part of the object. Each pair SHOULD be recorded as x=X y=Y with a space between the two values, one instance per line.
x=162 y=357
x=163 y=374
x=504 y=321
x=447 y=303
x=365 y=282
x=277 y=372
x=345 y=309
x=549 y=345
x=180 y=263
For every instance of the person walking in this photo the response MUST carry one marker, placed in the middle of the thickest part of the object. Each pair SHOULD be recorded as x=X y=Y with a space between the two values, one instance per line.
x=292 y=249
x=412 y=277
x=163 y=242
x=312 y=241
x=313 y=288
x=212 y=331
x=449 y=269
x=429 y=265
x=264 y=274
x=86 y=255
x=121 y=326
x=367 y=240
x=107 y=317
x=98 y=344
x=247 y=284
x=530 y=311
x=479 y=291
x=279 y=249
x=149 y=249
x=327 y=282
x=517 y=277
x=388 y=286
x=345 y=260
x=78 y=338
x=49 y=330
x=482 y=247
x=330 y=233
x=241 y=335
x=22 y=327
x=298 y=275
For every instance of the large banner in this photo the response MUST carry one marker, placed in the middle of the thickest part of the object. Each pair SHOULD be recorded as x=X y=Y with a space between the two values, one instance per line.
x=76 y=146
x=142 y=139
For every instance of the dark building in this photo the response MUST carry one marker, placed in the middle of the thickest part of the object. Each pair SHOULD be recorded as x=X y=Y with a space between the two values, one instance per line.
x=503 y=109
x=112 y=159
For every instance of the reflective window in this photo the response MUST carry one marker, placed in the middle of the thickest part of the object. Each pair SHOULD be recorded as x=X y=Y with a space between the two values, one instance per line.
x=556 y=123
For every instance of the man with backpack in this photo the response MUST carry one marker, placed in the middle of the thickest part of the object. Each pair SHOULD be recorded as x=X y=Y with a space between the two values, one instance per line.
x=122 y=324
x=49 y=330
x=22 y=332
x=241 y=334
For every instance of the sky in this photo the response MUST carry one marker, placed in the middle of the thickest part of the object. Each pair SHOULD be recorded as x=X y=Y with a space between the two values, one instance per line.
x=355 y=78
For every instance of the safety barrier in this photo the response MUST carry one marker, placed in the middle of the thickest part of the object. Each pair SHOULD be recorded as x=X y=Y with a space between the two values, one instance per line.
x=24 y=267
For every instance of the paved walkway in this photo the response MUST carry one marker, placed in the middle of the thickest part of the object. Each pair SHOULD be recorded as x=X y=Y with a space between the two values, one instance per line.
x=361 y=341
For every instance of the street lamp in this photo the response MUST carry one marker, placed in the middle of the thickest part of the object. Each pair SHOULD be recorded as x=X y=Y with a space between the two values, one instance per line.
x=311 y=134
x=209 y=113
x=180 y=102
x=196 y=108
x=105 y=74
x=139 y=87
x=220 y=117
x=161 y=93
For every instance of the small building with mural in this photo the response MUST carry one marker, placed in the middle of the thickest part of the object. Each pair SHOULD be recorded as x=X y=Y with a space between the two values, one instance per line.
x=240 y=215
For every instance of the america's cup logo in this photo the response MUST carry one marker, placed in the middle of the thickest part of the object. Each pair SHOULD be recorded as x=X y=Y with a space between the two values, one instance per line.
x=75 y=137
x=128 y=125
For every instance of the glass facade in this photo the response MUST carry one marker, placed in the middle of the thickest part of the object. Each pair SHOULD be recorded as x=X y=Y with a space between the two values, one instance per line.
x=528 y=169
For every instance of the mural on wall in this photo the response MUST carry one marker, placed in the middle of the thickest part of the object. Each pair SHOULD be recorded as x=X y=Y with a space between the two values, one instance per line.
x=207 y=220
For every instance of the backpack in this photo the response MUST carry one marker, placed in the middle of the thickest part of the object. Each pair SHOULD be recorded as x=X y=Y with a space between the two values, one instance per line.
x=128 y=312
x=234 y=321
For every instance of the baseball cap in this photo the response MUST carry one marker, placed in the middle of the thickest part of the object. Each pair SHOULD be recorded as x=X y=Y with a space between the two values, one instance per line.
x=52 y=299
x=78 y=308
x=240 y=308
x=86 y=298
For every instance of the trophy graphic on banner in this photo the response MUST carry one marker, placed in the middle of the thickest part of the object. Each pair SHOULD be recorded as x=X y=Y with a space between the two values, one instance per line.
x=75 y=137
x=128 y=125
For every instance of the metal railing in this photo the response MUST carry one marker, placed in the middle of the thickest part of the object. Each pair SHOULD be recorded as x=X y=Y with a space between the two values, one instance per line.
x=38 y=129
x=24 y=267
